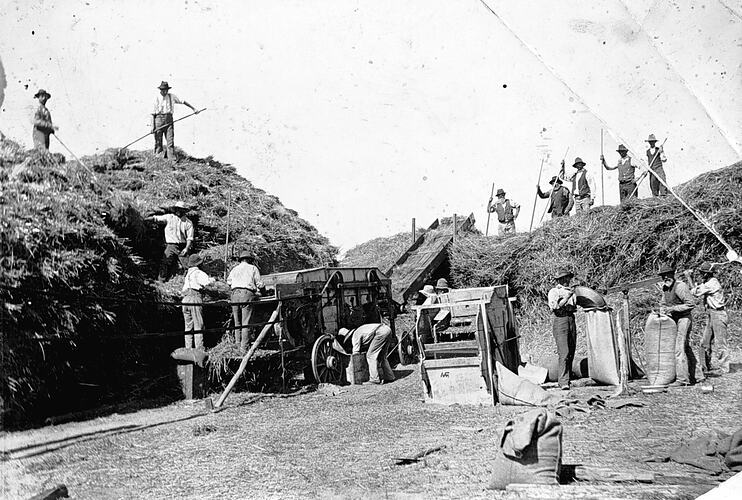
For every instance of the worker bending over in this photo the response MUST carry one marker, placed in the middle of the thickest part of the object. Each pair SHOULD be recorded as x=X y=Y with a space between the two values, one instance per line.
x=373 y=339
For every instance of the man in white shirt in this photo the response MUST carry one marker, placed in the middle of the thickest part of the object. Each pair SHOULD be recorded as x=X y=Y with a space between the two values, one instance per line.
x=178 y=239
x=372 y=338
x=583 y=187
x=162 y=119
x=194 y=282
x=716 y=327
x=245 y=282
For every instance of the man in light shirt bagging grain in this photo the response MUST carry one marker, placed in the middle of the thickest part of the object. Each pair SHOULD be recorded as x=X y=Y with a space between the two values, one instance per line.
x=715 y=334
x=178 y=239
x=162 y=119
x=195 y=281
x=245 y=282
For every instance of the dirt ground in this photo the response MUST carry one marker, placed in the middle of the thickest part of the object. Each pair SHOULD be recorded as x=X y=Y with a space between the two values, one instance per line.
x=340 y=442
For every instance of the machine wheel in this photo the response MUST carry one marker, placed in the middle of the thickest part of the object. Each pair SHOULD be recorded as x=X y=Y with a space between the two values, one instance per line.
x=407 y=350
x=327 y=365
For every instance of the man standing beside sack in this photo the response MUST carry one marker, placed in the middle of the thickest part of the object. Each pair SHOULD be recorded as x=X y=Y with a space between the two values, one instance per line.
x=677 y=302
x=563 y=304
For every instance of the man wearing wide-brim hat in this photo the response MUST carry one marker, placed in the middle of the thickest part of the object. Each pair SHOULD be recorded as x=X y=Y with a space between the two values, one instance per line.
x=714 y=341
x=374 y=340
x=563 y=304
x=441 y=286
x=42 y=122
x=655 y=160
x=507 y=211
x=245 y=281
x=560 y=199
x=583 y=186
x=162 y=119
x=179 y=234
x=678 y=302
x=626 y=170
x=195 y=281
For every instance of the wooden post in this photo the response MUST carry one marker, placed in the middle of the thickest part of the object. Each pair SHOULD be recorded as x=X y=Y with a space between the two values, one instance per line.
x=226 y=242
x=414 y=233
x=246 y=358
x=455 y=224
x=602 y=190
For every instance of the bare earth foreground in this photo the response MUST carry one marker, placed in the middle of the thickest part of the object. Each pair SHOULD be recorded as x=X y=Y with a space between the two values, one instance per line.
x=340 y=442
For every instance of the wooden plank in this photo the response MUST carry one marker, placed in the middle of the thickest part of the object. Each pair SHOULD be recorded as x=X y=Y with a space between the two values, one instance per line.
x=597 y=492
x=591 y=473
x=463 y=345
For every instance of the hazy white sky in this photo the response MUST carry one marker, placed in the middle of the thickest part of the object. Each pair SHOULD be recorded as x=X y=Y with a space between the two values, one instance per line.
x=363 y=114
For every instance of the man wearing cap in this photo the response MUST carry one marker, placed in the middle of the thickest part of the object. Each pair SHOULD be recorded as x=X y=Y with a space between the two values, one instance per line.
x=715 y=333
x=677 y=302
x=560 y=200
x=42 y=122
x=245 y=282
x=626 y=180
x=655 y=158
x=563 y=304
x=583 y=186
x=178 y=239
x=373 y=339
x=162 y=119
x=194 y=282
x=507 y=212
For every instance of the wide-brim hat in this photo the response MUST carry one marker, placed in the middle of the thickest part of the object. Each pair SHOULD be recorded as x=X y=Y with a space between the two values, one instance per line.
x=246 y=254
x=621 y=147
x=666 y=269
x=40 y=92
x=345 y=334
x=441 y=283
x=706 y=267
x=195 y=260
x=578 y=161
x=561 y=273
x=500 y=192
x=164 y=85
x=651 y=138
x=555 y=179
x=180 y=205
x=428 y=290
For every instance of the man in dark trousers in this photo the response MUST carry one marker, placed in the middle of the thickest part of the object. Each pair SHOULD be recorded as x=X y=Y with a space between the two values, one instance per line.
x=715 y=334
x=560 y=200
x=246 y=283
x=583 y=187
x=677 y=302
x=162 y=119
x=507 y=211
x=178 y=239
x=563 y=304
x=42 y=122
x=626 y=179
x=374 y=340
x=655 y=160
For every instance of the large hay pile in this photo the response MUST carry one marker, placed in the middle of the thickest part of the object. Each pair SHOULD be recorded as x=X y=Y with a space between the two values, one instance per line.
x=609 y=246
x=78 y=260
x=380 y=252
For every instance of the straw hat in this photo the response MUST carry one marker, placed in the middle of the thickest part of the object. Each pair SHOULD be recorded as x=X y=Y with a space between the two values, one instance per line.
x=41 y=92
x=441 y=284
x=651 y=138
x=180 y=205
x=621 y=147
x=561 y=273
x=164 y=85
x=556 y=179
x=578 y=161
x=500 y=192
x=428 y=290
x=195 y=260
x=666 y=269
x=245 y=254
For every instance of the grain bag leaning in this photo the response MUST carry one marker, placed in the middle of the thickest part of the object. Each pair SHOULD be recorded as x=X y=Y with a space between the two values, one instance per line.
x=659 y=345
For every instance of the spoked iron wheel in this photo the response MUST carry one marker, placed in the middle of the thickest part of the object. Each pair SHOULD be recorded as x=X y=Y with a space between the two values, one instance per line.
x=326 y=362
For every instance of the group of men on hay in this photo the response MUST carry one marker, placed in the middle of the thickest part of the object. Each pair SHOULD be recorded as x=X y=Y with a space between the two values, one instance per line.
x=583 y=193
x=677 y=301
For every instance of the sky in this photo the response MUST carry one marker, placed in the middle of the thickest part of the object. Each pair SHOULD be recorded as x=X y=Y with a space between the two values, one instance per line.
x=363 y=114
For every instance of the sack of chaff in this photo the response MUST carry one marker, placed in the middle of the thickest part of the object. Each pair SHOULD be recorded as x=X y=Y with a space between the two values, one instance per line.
x=659 y=346
x=530 y=451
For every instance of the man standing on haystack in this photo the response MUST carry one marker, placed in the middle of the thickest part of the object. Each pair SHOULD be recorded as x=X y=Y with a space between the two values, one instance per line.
x=626 y=180
x=583 y=187
x=245 y=282
x=560 y=200
x=195 y=281
x=563 y=304
x=677 y=302
x=655 y=160
x=715 y=333
x=162 y=119
x=507 y=211
x=373 y=339
x=42 y=122
x=178 y=239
